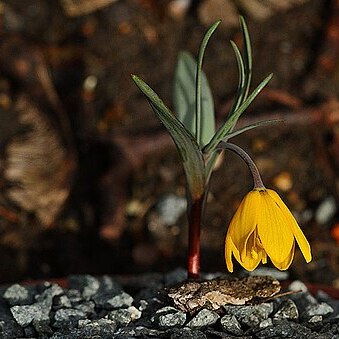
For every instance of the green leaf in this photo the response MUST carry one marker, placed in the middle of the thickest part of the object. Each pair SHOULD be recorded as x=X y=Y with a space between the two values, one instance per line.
x=252 y=126
x=244 y=67
x=198 y=124
x=248 y=56
x=188 y=148
x=184 y=99
x=232 y=120
x=241 y=85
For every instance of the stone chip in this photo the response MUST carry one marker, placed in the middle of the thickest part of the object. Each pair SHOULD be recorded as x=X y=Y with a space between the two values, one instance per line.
x=203 y=318
x=250 y=315
x=17 y=295
x=168 y=317
x=287 y=310
x=231 y=325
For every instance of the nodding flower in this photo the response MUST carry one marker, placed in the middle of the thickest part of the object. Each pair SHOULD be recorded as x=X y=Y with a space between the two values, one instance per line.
x=264 y=227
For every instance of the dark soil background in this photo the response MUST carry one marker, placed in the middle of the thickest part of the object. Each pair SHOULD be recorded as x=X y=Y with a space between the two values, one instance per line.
x=86 y=168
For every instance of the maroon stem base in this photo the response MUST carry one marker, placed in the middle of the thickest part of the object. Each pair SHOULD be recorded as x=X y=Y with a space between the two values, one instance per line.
x=193 y=268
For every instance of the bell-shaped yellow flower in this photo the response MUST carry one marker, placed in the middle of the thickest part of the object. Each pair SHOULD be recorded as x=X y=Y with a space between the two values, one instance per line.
x=263 y=226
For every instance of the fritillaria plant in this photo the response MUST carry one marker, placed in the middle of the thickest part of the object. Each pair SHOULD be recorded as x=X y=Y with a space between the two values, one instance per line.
x=262 y=226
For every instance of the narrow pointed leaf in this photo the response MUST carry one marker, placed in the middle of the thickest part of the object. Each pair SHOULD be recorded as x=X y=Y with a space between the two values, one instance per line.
x=184 y=97
x=244 y=66
x=247 y=56
x=241 y=85
x=188 y=149
x=232 y=120
x=198 y=122
x=252 y=126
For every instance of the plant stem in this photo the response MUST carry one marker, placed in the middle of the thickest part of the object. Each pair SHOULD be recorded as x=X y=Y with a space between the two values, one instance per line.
x=257 y=181
x=195 y=215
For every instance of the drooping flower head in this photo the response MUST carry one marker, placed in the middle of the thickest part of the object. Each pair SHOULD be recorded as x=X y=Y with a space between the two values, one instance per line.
x=263 y=226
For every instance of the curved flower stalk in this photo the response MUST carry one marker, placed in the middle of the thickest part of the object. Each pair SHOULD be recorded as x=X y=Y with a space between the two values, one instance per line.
x=262 y=227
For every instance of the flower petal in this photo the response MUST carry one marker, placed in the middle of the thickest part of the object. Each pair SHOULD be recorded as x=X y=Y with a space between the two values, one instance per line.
x=284 y=265
x=244 y=220
x=264 y=258
x=252 y=253
x=228 y=253
x=229 y=250
x=297 y=232
x=241 y=234
x=274 y=231
x=252 y=259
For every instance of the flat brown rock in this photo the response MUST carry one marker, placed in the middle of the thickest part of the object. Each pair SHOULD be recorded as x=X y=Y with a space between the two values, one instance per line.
x=213 y=294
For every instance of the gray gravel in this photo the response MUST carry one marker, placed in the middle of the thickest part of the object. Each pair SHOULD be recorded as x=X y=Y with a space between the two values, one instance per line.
x=168 y=317
x=231 y=325
x=288 y=310
x=138 y=307
x=18 y=295
x=203 y=319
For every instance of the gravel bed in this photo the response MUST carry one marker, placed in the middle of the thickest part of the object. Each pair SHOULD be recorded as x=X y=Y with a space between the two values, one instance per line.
x=138 y=307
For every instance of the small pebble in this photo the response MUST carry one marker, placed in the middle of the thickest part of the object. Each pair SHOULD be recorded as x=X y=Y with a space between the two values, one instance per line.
x=231 y=325
x=297 y=286
x=124 y=316
x=49 y=293
x=168 y=317
x=266 y=323
x=24 y=315
x=315 y=319
x=110 y=301
x=319 y=309
x=121 y=300
x=287 y=310
x=204 y=318
x=62 y=302
x=142 y=305
x=86 y=307
x=67 y=317
x=87 y=284
x=170 y=208
x=17 y=295
x=326 y=210
x=74 y=296
x=108 y=284
x=250 y=315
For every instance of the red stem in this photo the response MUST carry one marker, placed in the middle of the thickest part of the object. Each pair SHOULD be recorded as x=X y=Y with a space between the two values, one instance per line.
x=193 y=268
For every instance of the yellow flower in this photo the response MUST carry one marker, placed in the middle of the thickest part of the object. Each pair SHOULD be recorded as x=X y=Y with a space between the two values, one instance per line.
x=263 y=226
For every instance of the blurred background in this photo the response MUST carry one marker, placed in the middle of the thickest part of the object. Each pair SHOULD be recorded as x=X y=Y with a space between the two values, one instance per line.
x=91 y=183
